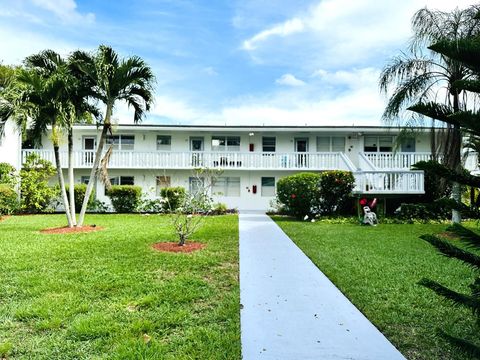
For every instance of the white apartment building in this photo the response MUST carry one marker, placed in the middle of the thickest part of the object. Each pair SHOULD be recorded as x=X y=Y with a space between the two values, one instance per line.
x=252 y=159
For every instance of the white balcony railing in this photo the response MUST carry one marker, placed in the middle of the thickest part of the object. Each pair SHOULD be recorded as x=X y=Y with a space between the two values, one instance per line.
x=189 y=160
x=389 y=182
x=398 y=160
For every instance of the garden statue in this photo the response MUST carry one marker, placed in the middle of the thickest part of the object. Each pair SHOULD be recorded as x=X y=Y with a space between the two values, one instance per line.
x=369 y=217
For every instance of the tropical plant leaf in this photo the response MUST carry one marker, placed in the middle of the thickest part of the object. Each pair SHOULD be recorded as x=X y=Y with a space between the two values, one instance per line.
x=450 y=250
x=458 y=299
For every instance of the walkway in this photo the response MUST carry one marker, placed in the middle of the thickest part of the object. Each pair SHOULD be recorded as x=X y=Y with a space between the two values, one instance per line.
x=290 y=310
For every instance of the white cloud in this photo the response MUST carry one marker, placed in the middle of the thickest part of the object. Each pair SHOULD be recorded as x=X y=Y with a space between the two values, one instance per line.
x=289 y=80
x=65 y=10
x=289 y=27
x=335 y=33
x=18 y=44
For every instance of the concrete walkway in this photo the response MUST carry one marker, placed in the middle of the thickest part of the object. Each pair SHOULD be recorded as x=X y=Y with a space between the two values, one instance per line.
x=290 y=310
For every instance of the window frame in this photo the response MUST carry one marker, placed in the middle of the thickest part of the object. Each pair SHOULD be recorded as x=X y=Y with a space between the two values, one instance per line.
x=120 y=146
x=164 y=147
x=225 y=139
x=227 y=181
x=269 y=145
x=377 y=144
x=330 y=142
x=263 y=188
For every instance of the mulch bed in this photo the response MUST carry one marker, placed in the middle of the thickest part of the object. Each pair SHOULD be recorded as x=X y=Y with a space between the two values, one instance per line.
x=68 y=230
x=174 y=247
x=449 y=235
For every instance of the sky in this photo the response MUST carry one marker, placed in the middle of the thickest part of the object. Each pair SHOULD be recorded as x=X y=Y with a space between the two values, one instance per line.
x=262 y=62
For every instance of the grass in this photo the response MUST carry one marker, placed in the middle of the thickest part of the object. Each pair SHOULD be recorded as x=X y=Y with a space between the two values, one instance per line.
x=108 y=295
x=378 y=268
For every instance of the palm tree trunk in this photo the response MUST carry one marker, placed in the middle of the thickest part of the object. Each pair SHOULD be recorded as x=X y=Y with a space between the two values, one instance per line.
x=456 y=165
x=71 y=179
x=96 y=163
x=61 y=182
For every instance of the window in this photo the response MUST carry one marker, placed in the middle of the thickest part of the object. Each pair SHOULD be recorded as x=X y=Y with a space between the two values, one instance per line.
x=164 y=142
x=227 y=186
x=330 y=143
x=378 y=144
x=162 y=182
x=268 y=186
x=121 y=142
x=85 y=180
x=195 y=185
x=225 y=143
x=122 y=180
x=268 y=144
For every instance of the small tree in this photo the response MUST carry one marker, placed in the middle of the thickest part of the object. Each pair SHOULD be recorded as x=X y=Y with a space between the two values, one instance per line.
x=189 y=216
x=36 y=194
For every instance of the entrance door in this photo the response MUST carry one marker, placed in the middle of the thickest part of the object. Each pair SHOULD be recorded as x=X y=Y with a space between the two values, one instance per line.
x=89 y=146
x=196 y=147
x=408 y=145
x=301 y=146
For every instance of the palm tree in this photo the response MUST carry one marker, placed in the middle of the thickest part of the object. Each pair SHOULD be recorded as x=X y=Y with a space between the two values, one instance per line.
x=74 y=99
x=420 y=79
x=114 y=79
x=33 y=97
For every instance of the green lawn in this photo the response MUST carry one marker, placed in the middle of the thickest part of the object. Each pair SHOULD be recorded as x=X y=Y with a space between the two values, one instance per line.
x=96 y=295
x=377 y=268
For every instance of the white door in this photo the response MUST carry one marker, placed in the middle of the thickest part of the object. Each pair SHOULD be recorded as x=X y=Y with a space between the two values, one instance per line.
x=196 y=147
x=89 y=146
x=301 y=146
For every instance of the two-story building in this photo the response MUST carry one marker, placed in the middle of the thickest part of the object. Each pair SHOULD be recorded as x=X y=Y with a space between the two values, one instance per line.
x=252 y=159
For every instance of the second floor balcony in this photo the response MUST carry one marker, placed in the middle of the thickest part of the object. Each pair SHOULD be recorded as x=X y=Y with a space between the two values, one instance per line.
x=220 y=160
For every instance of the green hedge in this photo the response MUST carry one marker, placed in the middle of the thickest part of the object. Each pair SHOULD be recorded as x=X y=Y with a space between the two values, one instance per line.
x=313 y=194
x=172 y=198
x=8 y=200
x=125 y=198
x=79 y=193
x=437 y=210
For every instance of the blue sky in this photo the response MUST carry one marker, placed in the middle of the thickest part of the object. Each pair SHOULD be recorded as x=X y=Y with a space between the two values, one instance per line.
x=233 y=62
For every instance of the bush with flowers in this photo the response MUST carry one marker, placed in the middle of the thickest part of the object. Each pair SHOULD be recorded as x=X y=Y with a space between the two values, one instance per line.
x=312 y=194
x=299 y=194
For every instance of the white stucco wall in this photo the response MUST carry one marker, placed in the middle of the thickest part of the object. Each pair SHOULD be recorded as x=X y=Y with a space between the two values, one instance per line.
x=11 y=145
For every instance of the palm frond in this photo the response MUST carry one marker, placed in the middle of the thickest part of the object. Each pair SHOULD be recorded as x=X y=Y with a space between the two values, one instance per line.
x=449 y=250
x=469 y=237
x=467 y=346
x=458 y=299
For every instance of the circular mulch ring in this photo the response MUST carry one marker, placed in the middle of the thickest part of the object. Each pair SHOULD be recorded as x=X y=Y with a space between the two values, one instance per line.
x=68 y=230
x=174 y=247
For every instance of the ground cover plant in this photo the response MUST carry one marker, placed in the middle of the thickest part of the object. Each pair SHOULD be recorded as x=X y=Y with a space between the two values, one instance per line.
x=108 y=294
x=378 y=269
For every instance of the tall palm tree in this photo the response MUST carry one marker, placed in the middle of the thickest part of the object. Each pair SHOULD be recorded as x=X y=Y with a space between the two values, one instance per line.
x=115 y=79
x=73 y=99
x=33 y=97
x=421 y=77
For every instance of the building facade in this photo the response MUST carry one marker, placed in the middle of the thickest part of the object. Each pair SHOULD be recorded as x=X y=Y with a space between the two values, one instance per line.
x=251 y=160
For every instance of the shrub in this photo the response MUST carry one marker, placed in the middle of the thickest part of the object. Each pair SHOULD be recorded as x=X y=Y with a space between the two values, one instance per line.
x=79 y=193
x=8 y=200
x=314 y=194
x=7 y=174
x=151 y=206
x=125 y=198
x=172 y=198
x=438 y=210
x=335 y=189
x=299 y=193
x=219 y=209
x=35 y=193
